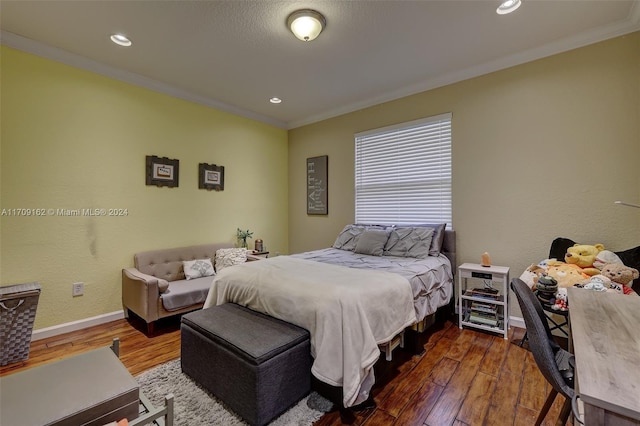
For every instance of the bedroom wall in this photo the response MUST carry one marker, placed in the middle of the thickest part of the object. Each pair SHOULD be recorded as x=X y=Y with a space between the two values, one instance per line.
x=540 y=150
x=76 y=140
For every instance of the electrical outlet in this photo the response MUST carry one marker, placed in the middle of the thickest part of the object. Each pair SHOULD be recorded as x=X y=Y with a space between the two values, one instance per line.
x=77 y=289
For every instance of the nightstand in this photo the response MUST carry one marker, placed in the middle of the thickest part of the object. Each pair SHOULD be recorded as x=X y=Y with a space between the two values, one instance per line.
x=257 y=255
x=481 y=305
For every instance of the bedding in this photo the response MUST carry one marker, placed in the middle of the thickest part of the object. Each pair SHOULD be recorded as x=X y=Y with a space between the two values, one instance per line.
x=347 y=311
x=431 y=279
x=351 y=297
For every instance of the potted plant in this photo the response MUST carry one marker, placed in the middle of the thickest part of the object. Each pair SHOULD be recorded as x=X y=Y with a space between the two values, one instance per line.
x=242 y=237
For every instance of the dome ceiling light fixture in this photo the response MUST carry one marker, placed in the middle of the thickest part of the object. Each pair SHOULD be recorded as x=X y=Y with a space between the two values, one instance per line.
x=508 y=6
x=306 y=24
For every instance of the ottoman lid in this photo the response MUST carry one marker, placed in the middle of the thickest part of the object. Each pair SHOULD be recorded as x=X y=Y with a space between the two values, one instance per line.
x=253 y=336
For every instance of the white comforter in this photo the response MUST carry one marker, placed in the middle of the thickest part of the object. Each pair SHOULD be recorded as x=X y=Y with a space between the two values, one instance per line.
x=348 y=312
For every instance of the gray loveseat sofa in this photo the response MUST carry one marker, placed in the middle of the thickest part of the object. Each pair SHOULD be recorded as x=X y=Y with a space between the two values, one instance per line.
x=156 y=286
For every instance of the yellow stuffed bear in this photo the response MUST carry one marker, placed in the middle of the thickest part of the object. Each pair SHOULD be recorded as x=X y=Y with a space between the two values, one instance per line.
x=583 y=255
x=566 y=275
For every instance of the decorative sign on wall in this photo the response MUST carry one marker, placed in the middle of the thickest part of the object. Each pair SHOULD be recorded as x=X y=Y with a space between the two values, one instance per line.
x=162 y=171
x=317 y=195
x=211 y=177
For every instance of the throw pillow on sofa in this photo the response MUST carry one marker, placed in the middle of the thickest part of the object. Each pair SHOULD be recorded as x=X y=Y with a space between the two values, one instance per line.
x=198 y=268
x=229 y=257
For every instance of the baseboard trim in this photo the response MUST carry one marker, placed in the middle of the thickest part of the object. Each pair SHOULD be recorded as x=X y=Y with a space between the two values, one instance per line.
x=68 y=327
x=517 y=322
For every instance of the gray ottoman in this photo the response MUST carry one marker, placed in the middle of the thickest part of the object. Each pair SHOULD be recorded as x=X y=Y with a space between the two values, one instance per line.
x=258 y=365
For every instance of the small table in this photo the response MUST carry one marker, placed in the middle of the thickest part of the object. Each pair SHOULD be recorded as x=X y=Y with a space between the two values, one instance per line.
x=92 y=388
x=562 y=325
x=257 y=255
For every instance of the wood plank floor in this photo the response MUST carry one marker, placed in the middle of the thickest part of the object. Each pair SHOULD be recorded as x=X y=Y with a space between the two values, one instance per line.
x=464 y=377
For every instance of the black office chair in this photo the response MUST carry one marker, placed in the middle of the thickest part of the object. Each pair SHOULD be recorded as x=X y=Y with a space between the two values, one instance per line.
x=552 y=360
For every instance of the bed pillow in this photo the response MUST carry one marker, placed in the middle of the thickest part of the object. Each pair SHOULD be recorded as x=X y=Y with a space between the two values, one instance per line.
x=372 y=242
x=197 y=268
x=409 y=241
x=437 y=240
x=229 y=257
x=348 y=237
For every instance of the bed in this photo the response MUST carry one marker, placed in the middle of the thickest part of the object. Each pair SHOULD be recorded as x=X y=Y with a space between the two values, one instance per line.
x=364 y=291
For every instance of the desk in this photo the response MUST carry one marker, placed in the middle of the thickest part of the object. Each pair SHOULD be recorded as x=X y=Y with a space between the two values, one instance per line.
x=606 y=339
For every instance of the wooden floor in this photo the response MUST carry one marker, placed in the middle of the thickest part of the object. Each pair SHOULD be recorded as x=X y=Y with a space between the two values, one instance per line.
x=464 y=377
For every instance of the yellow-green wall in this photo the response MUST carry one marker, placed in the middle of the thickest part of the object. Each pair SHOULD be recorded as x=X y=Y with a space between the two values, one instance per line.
x=72 y=139
x=540 y=150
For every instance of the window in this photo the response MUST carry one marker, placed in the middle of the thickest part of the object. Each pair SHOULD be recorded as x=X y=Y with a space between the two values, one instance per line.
x=403 y=173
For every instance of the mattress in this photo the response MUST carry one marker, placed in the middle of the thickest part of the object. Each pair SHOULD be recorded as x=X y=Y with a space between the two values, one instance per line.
x=431 y=279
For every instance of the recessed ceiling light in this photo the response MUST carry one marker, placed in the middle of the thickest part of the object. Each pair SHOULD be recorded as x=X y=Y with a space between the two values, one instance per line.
x=508 y=6
x=120 y=40
x=275 y=100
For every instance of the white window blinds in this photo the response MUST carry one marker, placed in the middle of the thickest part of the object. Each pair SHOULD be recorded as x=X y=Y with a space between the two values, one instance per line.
x=403 y=173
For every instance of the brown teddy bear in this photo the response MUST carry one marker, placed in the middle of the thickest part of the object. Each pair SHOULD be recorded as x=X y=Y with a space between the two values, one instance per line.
x=621 y=274
x=584 y=255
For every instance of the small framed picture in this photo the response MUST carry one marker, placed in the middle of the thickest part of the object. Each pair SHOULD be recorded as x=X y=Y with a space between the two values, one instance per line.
x=211 y=177
x=162 y=171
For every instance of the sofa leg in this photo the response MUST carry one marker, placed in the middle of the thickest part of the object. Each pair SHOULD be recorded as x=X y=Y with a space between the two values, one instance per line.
x=150 y=328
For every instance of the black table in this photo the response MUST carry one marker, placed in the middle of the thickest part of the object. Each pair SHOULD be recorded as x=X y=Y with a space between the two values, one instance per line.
x=562 y=325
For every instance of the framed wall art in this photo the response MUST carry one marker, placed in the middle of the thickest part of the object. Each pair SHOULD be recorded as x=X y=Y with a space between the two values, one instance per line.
x=211 y=177
x=317 y=192
x=162 y=171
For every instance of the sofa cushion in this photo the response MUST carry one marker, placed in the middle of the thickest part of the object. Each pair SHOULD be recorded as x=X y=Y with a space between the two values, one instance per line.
x=183 y=293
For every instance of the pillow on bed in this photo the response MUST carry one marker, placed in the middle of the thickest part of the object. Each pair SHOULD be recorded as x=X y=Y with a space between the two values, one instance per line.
x=409 y=241
x=229 y=257
x=437 y=240
x=348 y=237
x=372 y=242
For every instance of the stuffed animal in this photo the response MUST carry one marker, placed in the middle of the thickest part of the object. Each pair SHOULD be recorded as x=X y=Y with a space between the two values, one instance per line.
x=600 y=283
x=562 y=301
x=583 y=255
x=566 y=275
x=604 y=257
x=531 y=274
x=621 y=274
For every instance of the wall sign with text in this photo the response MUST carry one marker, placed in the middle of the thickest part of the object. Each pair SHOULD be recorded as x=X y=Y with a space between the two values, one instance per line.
x=317 y=195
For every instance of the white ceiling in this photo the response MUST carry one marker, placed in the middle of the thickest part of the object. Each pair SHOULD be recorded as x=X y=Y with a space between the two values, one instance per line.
x=236 y=54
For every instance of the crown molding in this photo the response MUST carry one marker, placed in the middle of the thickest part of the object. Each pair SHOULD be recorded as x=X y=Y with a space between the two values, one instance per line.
x=629 y=25
x=55 y=54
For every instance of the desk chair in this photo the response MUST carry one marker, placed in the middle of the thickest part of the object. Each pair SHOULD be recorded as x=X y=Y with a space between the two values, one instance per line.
x=552 y=360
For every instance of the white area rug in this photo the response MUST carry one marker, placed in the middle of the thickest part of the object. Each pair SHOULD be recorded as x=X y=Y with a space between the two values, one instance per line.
x=194 y=406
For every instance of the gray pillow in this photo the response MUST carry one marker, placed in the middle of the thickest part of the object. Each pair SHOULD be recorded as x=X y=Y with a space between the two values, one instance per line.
x=372 y=242
x=348 y=237
x=438 y=238
x=409 y=242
